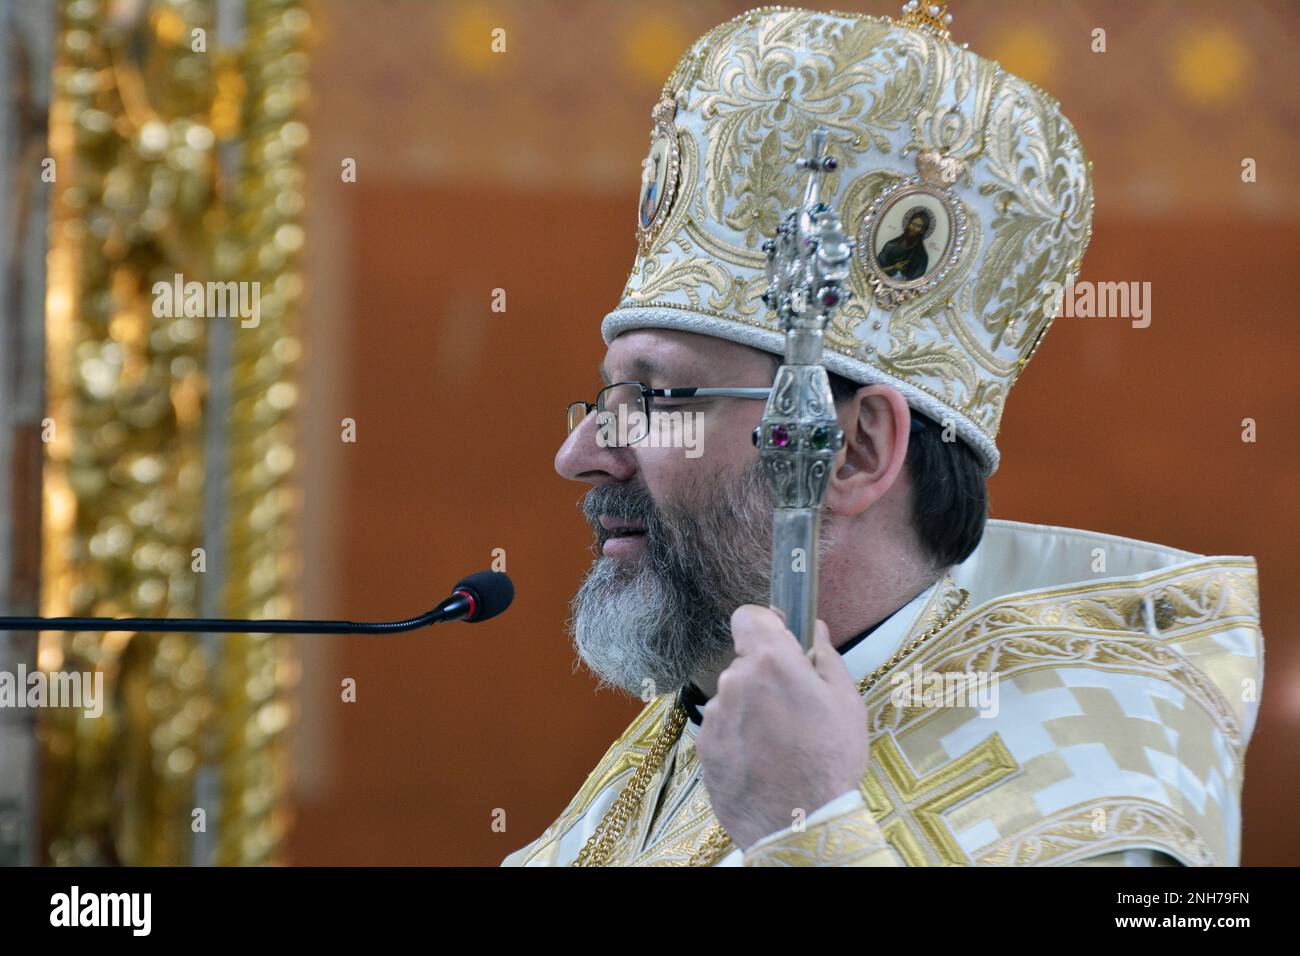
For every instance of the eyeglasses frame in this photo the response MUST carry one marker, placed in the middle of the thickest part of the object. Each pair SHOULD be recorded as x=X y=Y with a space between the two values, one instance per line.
x=647 y=393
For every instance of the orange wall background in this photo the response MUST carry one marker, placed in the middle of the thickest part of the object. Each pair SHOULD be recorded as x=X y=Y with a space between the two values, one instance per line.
x=459 y=409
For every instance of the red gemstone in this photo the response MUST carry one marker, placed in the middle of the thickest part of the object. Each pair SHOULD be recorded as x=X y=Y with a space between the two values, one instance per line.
x=780 y=436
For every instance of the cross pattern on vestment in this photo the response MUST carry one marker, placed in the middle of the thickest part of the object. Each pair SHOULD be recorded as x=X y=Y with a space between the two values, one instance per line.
x=910 y=808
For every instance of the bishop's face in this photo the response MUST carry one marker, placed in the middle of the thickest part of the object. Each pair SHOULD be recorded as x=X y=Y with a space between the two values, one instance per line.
x=683 y=534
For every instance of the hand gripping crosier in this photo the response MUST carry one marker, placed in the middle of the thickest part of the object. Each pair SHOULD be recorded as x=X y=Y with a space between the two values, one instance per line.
x=807 y=265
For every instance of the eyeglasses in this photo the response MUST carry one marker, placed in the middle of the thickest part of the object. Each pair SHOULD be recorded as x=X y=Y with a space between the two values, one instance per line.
x=628 y=405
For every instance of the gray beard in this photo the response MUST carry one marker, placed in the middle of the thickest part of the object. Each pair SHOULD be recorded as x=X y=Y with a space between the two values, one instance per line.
x=651 y=624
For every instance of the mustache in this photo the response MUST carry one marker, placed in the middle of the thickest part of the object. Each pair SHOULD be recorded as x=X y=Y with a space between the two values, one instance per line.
x=678 y=532
x=625 y=502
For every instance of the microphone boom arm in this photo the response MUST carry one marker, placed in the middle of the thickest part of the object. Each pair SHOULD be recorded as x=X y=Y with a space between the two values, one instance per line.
x=164 y=625
x=476 y=598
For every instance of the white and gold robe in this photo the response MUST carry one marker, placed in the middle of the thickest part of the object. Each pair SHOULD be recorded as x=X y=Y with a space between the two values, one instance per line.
x=1126 y=698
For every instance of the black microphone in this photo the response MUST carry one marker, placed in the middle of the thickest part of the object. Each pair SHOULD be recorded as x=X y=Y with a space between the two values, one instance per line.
x=477 y=598
x=473 y=599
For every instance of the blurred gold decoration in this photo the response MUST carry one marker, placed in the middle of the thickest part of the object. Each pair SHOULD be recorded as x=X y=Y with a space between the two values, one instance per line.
x=1028 y=51
x=258 y=670
x=1210 y=65
x=139 y=115
x=469 y=36
x=651 y=44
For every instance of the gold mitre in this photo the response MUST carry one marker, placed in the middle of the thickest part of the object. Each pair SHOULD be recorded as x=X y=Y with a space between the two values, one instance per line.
x=963 y=189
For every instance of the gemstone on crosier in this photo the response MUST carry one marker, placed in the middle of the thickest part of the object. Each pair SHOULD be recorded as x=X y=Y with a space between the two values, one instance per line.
x=780 y=436
x=821 y=436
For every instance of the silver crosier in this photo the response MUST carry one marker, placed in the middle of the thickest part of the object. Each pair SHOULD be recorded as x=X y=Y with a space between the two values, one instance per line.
x=808 y=265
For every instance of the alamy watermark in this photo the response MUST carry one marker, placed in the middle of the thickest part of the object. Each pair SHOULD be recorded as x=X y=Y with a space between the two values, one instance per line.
x=1119 y=300
x=974 y=689
x=77 y=689
x=208 y=300
x=663 y=429
x=133 y=911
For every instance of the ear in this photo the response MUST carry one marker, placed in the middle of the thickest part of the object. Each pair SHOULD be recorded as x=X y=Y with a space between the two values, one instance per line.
x=877 y=426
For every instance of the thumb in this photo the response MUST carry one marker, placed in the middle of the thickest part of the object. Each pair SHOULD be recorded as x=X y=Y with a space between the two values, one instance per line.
x=829 y=664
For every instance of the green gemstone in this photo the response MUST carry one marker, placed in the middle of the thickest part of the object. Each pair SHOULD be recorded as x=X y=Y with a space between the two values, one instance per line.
x=821 y=437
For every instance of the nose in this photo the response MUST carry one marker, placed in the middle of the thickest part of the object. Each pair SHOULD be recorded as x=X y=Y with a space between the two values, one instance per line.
x=583 y=458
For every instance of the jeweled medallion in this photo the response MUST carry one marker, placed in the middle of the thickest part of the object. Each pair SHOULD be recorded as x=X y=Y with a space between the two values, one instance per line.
x=912 y=235
x=658 y=175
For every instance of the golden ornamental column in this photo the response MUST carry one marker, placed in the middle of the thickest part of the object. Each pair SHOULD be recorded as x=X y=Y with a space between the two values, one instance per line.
x=168 y=487
x=258 y=671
